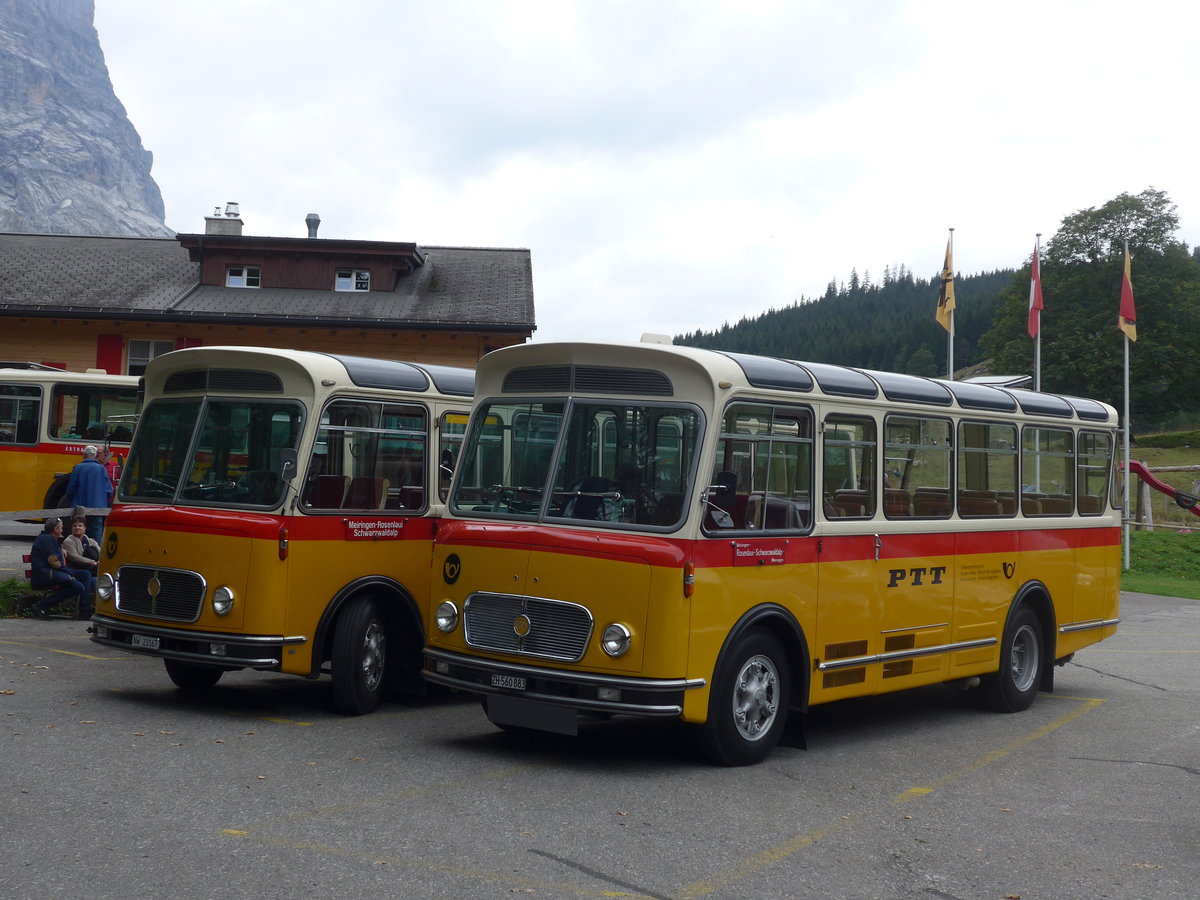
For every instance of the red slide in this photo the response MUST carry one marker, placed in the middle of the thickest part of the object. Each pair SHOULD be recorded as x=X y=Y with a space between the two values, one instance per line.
x=1183 y=500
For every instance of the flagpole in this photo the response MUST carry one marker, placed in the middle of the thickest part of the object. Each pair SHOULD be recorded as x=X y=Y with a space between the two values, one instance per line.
x=950 y=337
x=1126 y=436
x=1037 y=346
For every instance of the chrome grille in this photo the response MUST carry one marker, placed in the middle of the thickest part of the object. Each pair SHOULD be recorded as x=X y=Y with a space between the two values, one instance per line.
x=557 y=630
x=178 y=598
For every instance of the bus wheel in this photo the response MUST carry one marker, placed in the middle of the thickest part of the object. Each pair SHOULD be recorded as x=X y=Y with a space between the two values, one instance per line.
x=1013 y=688
x=192 y=678
x=359 y=658
x=751 y=697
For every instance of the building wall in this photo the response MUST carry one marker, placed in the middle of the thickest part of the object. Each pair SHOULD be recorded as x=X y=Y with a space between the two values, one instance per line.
x=75 y=344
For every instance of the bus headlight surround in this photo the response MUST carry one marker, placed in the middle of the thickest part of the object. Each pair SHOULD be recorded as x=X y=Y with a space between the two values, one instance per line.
x=616 y=640
x=222 y=601
x=446 y=616
x=105 y=586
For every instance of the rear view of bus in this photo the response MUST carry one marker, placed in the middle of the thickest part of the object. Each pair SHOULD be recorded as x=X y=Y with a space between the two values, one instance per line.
x=276 y=513
x=47 y=417
x=729 y=539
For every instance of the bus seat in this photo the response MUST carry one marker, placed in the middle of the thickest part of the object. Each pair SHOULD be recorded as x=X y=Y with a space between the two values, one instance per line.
x=776 y=513
x=978 y=506
x=1090 y=504
x=1031 y=506
x=1057 y=506
x=366 y=492
x=931 y=502
x=1008 y=502
x=122 y=433
x=328 y=491
x=897 y=503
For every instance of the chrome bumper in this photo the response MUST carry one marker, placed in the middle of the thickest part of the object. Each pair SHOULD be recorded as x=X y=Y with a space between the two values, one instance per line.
x=241 y=651
x=574 y=690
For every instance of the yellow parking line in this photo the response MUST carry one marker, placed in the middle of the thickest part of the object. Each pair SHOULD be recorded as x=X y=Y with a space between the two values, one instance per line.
x=762 y=860
x=42 y=649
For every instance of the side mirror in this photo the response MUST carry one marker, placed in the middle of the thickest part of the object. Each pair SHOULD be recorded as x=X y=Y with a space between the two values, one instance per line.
x=287 y=460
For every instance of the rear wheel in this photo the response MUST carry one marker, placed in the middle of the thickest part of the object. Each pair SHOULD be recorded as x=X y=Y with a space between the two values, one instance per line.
x=359 y=658
x=1014 y=686
x=192 y=678
x=749 y=709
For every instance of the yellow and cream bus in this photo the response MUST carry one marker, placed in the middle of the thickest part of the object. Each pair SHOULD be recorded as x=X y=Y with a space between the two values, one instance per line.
x=277 y=513
x=726 y=539
x=47 y=417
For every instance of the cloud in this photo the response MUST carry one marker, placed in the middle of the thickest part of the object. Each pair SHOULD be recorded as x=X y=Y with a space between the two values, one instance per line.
x=671 y=165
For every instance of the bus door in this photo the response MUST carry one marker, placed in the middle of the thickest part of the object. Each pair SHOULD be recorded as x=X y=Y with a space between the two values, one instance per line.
x=917 y=551
x=849 y=576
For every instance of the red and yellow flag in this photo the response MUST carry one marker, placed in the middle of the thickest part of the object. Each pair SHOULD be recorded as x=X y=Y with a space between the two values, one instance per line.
x=945 y=307
x=1127 y=320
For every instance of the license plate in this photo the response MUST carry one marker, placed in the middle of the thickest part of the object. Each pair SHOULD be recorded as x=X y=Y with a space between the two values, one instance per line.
x=513 y=682
x=144 y=640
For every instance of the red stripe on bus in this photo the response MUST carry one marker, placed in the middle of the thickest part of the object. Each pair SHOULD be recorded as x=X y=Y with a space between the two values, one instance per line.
x=720 y=552
x=264 y=526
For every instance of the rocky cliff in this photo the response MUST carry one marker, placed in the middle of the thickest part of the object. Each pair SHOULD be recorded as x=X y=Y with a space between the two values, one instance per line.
x=70 y=160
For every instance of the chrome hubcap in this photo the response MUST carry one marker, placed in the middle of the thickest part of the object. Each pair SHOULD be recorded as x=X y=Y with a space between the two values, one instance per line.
x=1025 y=658
x=756 y=697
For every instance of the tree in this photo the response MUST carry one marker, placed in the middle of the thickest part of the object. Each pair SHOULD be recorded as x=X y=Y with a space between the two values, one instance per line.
x=1082 y=350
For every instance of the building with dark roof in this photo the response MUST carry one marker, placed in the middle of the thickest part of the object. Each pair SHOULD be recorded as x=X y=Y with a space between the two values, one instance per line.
x=115 y=303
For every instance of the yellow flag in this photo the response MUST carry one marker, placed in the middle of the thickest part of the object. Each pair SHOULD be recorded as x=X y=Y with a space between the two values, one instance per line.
x=945 y=307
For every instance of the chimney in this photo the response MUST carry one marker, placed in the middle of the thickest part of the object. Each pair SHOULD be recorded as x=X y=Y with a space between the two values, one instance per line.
x=313 y=221
x=229 y=224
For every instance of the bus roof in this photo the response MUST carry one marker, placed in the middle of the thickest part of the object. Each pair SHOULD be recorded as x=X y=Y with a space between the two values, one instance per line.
x=629 y=367
x=361 y=371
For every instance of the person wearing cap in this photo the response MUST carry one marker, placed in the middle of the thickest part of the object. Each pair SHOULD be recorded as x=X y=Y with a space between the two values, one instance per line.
x=90 y=486
x=49 y=572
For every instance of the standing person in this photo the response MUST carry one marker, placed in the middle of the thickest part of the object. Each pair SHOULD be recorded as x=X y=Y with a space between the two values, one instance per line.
x=48 y=571
x=90 y=486
x=81 y=556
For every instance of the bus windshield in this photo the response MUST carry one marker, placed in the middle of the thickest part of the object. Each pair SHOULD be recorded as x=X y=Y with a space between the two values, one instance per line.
x=212 y=452
x=625 y=463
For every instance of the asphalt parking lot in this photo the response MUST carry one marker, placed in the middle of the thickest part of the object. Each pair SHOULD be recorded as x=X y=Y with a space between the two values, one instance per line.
x=120 y=785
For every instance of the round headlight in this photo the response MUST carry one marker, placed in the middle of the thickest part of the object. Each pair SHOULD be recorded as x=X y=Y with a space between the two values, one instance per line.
x=222 y=601
x=105 y=586
x=616 y=640
x=446 y=616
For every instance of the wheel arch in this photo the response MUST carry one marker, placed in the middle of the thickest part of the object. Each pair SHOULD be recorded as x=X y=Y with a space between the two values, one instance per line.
x=1036 y=596
x=402 y=617
x=779 y=622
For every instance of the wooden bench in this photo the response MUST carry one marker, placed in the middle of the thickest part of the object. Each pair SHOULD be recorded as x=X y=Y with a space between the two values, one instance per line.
x=32 y=595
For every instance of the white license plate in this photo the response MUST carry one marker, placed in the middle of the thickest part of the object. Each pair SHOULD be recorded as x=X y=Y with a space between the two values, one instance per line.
x=513 y=682
x=144 y=640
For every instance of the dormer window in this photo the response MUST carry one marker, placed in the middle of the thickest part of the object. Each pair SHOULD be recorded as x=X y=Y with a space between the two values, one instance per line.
x=352 y=280
x=243 y=276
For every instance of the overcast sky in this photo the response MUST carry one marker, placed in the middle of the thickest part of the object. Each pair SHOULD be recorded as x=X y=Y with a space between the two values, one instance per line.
x=671 y=165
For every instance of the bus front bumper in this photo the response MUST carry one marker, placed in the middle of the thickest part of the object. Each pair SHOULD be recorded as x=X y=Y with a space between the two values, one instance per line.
x=580 y=691
x=230 y=651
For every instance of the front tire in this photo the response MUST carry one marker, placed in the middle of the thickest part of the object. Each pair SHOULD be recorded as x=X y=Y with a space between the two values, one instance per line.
x=749 y=708
x=191 y=678
x=1022 y=660
x=359 y=658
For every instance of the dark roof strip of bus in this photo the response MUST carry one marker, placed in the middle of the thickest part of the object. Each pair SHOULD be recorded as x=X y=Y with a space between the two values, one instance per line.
x=768 y=372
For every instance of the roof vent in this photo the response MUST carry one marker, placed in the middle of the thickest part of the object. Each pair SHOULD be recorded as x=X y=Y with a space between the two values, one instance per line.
x=313 y=221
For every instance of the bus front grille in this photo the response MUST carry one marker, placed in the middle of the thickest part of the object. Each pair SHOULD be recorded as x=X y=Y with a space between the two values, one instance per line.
x=527 y=626
x=172 y=594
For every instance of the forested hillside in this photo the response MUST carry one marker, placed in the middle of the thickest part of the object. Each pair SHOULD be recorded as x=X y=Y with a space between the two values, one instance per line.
x=888 y=326
x=891 y=326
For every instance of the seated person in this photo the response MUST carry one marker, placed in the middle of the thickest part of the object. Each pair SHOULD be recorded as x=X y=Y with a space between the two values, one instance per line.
x=49 y=572
x=81 y=554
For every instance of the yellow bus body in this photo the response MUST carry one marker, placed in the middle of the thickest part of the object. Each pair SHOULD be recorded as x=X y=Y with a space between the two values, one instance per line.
x=854 y=605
